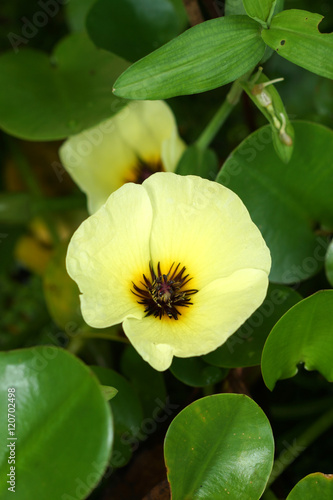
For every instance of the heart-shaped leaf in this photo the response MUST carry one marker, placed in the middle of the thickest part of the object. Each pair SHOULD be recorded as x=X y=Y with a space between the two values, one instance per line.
x=132 y=29
x=61 y=435
x=303 y=335
x=289 y=202
x=62 y=94
x=295 y=36
x=206 y=56
x=220 y=446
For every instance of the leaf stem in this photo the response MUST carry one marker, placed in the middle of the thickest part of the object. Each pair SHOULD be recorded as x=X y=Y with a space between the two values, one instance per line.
x=293 y=450
x=222 y=113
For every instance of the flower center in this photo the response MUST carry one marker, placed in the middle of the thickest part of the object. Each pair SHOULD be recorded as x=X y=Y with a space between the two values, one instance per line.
x=142 y=170
x=164 y=294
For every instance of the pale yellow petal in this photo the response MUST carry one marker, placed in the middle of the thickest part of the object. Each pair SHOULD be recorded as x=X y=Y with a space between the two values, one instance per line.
x=146 y=126
x=103 y=158
x=204 y=226
x=107 y=252
x=218 y=310
x=172 y=150
x=98 y=160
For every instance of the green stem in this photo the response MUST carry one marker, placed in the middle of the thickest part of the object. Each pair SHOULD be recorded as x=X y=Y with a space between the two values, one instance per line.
x=222 y=113
x=294 y=449
x=58 y=204
x=32 y=185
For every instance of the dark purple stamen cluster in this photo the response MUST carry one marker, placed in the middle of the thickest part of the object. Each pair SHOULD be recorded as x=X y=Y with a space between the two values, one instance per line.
x=164 y=293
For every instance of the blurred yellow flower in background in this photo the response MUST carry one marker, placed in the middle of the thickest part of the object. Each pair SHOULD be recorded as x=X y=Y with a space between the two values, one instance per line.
x=139 y=140
x=176 y=260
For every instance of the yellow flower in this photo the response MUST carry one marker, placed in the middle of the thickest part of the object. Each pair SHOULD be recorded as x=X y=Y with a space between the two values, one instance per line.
x=139 y=140
x=177 y=260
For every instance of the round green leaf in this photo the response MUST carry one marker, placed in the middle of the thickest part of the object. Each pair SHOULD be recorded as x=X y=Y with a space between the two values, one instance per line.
x=220 y=446
x=63 y=425
x=287 y=202
x=303 y=335
x=315 y=486
x=244 y=348
x=132 y=29
x=329 y=263
x=206 y=56
x=62 y=94
x=195 y=372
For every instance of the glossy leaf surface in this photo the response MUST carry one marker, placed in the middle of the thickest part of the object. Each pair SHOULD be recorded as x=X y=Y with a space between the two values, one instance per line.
x=295 y=199
x=62 y=94
x=206 y=56
x=63 y=424
x=303 y=335
x=218 y=447
x=294 y=35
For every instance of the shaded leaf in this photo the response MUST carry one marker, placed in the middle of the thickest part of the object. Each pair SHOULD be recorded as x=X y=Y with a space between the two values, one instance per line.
x=303 y=335
x=132 y=29
x=62 y=94
x=196 y=161
x=195 y=372
x=287 y=202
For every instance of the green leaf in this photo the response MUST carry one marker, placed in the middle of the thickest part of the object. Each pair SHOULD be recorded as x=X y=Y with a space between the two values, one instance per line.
x=220 y=446
x=259 y=10
x=244 y=348
x=269 y=102
x=76 y=12
x=295 y=36
x=127 y=414
x=62 y=94
x=287 y=202
x=108 y=392
x=196 y=161
x=303 y=335
x=63 y=424
x=329 y=263
x=132 y=29
x=316 y=486
x=234 y=8
x=148 y=384
x=195 y=372
x=206 y=56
